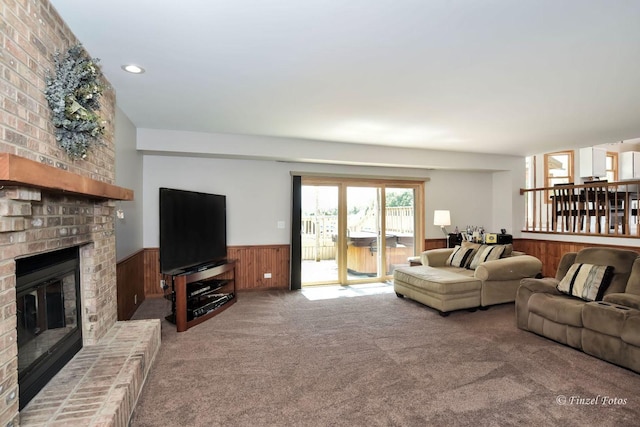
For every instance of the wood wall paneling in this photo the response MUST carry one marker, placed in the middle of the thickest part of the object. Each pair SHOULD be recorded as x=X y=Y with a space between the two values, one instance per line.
x=550 y=252
x=435 y=243
x=130 y=285
x=254 y=261
x=152 y=274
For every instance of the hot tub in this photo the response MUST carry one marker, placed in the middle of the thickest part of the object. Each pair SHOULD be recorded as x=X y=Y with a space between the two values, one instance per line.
x=362 y=248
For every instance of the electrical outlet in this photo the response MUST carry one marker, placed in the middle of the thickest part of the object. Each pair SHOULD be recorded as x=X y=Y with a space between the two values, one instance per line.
x=267 y=275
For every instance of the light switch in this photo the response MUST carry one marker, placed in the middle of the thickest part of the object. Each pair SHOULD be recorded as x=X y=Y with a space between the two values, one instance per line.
x=281 y=224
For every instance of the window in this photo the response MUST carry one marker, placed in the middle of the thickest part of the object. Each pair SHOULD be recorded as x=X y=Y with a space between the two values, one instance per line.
x=612 y=166
x=558 y=168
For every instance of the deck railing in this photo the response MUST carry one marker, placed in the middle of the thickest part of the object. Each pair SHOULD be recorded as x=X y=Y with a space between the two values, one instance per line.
x=318 y=237
x=319 y=232
x=594 y=208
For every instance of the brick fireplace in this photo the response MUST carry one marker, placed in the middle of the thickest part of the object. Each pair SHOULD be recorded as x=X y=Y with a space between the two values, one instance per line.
x=39 y=221
x=45 y=211
x=48 y=201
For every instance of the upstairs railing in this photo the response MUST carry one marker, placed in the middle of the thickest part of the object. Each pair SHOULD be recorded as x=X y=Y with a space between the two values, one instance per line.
x=598 y=208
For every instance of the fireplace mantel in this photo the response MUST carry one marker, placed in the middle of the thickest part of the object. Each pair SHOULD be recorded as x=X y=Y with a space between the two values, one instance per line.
x=20 y=171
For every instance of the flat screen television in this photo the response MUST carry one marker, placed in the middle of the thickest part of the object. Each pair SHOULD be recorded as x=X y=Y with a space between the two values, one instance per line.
x=193 y=230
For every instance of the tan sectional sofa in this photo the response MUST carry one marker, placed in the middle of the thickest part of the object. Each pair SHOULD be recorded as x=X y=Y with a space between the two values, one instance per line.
x=447 y=288
x=609 y=328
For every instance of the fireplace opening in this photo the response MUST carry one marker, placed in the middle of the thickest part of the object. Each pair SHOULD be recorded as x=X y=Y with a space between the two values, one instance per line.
x=48 y=317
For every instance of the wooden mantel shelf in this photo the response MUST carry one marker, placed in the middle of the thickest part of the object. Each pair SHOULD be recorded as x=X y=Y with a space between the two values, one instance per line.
x=20 y=171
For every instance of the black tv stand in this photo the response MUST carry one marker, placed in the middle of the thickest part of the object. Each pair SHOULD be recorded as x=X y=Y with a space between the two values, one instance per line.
x=200 y=294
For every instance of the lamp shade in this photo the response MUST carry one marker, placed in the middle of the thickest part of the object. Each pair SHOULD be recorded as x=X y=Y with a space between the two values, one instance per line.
x=441 y=218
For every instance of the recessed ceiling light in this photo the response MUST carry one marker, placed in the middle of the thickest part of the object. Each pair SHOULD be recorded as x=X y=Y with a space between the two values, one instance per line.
x=133 y=69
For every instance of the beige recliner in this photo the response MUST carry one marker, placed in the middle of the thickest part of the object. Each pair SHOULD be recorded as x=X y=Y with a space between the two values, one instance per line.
x=608 y=329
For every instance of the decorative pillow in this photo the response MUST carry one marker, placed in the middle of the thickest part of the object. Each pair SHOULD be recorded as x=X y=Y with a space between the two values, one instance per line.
x=460 y=256
x=468 y=244
x=508 y=248
x=586 y=281
x=474 y=246
x=486 y=253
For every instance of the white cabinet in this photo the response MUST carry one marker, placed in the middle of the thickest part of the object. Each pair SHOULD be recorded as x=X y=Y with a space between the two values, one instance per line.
x=630 y=165
x=593 y=162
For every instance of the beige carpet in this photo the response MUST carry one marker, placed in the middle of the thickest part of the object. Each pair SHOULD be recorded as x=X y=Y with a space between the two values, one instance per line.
x=279 y=359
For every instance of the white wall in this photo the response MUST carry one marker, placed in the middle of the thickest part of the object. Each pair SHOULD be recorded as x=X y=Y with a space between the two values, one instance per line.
x=129 y=231
x=255 y=175
x=466 y=194
x=259 y=193
x=507 y=203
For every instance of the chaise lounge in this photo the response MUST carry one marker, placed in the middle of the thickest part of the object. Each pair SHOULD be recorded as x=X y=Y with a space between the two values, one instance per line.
x=465 y=277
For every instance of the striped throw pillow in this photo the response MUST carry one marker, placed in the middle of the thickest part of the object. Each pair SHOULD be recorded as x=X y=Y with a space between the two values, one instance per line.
x=460 y=257
x=486 y=253
x=586 y=281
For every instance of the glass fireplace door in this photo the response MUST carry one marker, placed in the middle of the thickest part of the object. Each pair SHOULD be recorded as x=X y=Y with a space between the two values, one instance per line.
x=48 y=317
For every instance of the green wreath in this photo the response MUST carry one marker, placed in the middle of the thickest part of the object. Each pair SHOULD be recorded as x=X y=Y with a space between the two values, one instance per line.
x=73 y=94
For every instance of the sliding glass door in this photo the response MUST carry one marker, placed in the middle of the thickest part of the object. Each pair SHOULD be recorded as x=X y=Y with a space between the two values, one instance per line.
x=400 y=226
x=363 y=233
x=319 y=232
x=358 y=231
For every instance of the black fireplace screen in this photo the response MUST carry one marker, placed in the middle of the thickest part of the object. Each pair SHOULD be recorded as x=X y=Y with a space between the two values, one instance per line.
x=48 y=317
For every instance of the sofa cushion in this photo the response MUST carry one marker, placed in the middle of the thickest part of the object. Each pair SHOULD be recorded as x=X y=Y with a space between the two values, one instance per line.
x=558 y=308
x=633 y=284
x=631 y=331
x=437 y=280
x=628 y=300
x=605 y=317
x=486 y=253
x=586 y=281
x=458 y=270
x=508 y=251
x=468 y=244
x=460 y=257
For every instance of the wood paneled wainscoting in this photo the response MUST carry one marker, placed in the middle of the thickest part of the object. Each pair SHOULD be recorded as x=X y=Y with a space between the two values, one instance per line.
x=550 y=252
x=130 y=284
x=138 y=276
x=435 y=243
x=152 y=274
x=253 y=262
x=140 y=273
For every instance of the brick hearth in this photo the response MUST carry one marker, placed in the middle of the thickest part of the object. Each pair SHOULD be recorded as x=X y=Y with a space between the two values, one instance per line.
x=100 y=386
